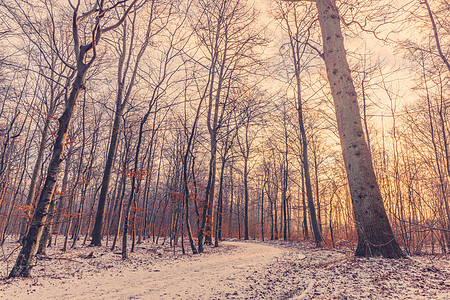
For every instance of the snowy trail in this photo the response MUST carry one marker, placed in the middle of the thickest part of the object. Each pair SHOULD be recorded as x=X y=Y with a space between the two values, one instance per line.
x=216 y=275
x=236 y=270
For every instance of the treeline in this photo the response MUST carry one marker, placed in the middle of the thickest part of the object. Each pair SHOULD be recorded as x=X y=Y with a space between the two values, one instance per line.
x=187 y=122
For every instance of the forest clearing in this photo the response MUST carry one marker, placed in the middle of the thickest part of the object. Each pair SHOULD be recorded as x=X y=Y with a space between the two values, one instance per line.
x=131 y=128
x=236 y=270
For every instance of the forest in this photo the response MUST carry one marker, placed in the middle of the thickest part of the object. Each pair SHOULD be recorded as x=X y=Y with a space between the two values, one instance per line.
x=190 y=122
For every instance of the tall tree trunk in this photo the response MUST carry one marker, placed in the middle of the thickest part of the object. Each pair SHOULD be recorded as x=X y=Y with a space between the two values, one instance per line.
x=246 y=198
x=375 y=236
x=123 y=95
x=316 y=179
x=304 y=143
x=99 y=219
x=262 y=209
x=133 y=184
x=26 y=258
x=204 y=234
x=305 y=217
x=219 y=212
x=230 y=221
x=284 y=200
x=186 y=185
x=120 y=201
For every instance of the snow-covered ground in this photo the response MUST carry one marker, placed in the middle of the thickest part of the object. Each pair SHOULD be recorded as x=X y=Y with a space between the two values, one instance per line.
x=236 y=270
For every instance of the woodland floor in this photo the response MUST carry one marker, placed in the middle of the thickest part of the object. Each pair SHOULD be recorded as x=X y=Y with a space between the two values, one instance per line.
x=236 y=270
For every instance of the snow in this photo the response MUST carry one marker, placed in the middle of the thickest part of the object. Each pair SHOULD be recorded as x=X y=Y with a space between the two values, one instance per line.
x=235 y=270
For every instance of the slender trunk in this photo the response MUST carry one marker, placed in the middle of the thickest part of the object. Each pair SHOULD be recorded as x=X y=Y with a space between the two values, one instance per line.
x=284 y=198
x=79 y=222
x=307 y=174
x=239 y=215
x=133 y=186
x=72 y=194
x=262 y=211
x=219 y=213
x=211 y=194
x=316 y=179
x=275 y=210
x=13 y=201
x=230 y=221
x=436 y=36
x=186 y=194
x=204 y=233
x=305 y=213
x=89 y=219
x=99 y=219
x=36 y=169
x=86 y=175
x=153 y=214
x=120 y=210
x=246 y=198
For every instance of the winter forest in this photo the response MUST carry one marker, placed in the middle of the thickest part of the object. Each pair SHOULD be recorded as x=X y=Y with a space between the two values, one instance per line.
x=190 y=124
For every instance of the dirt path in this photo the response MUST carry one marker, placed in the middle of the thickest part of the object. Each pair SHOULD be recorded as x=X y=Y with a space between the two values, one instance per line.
x=216 y=275
x=236 y=270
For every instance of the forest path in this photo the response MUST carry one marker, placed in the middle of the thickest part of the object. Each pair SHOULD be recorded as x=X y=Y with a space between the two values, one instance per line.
x=214 y=275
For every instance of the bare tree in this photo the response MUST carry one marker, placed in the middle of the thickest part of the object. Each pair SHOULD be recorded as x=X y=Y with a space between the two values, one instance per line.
x=227 y=38
x=375 y=236
x=298 y=23
x=83 y=61
x=125 y=85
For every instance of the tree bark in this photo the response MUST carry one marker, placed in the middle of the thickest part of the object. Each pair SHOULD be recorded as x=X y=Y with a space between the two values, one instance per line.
x=375 y=236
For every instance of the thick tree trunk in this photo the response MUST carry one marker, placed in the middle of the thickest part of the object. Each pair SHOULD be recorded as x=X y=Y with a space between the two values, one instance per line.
x=375 y=236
